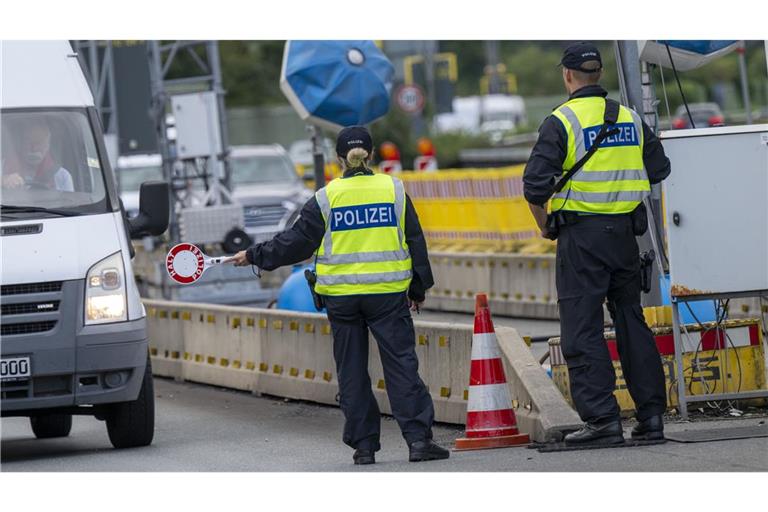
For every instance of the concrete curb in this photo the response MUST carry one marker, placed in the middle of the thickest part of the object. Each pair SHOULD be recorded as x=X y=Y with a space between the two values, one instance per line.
x=541 y=409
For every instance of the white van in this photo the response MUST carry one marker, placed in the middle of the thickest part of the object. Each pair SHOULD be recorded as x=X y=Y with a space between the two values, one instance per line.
x=74 y=338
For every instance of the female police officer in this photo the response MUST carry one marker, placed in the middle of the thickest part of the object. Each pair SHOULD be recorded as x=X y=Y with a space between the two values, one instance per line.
x=372 y=265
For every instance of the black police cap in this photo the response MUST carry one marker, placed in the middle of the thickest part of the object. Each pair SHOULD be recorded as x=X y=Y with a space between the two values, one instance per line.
x=353 y=137
x=577 y=54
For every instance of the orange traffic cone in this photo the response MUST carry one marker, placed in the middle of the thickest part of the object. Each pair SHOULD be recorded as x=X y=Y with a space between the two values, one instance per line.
x=491 y=421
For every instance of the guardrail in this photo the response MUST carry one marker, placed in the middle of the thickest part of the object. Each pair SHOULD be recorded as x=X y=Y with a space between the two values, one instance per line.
x=290 y=354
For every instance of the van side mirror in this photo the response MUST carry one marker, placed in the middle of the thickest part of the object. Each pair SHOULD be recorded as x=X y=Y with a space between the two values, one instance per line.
x=154 y=210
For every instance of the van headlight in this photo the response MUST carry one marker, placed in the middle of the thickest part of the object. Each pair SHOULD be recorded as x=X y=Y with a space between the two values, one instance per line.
x=105 y=295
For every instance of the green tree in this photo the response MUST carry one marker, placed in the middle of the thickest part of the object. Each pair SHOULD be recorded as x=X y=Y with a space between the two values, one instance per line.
x=251 y=72
x=395 y=127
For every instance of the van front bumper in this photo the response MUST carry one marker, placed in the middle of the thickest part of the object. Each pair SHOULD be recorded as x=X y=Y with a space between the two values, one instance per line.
x=102 y=364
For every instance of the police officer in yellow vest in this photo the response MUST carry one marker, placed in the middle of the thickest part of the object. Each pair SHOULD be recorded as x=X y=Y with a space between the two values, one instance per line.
x=597 y=253
x=372 y=267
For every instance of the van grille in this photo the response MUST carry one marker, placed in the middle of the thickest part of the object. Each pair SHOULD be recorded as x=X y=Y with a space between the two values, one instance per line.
x=30 y=308
x=27 y=328
x=18 y=289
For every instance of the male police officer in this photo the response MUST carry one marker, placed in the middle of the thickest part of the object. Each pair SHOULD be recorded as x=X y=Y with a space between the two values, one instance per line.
x=597 y=253
x=372 y=264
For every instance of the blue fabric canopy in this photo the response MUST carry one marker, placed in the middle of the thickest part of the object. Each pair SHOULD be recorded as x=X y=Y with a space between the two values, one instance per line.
x=702 y=47
x=686 y=54
x=336 y=83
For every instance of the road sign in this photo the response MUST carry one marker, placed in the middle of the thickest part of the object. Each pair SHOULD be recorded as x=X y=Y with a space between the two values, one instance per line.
x=410 y=98
x=186 y=263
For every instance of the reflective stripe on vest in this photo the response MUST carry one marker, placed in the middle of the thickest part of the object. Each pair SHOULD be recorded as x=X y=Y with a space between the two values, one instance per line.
x=351 y=220
x=614 y=179
x=381 y=277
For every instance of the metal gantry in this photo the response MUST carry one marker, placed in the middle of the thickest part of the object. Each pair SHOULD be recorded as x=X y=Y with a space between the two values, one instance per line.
x=206 y=76
x=97 y=61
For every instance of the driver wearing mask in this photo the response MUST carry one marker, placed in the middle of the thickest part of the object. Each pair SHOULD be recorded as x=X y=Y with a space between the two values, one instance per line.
x=35 y=165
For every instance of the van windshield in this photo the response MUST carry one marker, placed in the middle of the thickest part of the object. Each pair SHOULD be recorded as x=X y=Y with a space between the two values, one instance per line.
x=49 y=161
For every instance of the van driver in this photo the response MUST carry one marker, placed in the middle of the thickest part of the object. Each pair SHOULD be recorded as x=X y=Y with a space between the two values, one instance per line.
x=34 y=164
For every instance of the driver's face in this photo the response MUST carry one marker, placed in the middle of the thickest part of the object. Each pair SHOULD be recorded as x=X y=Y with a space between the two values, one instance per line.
x=35 y=143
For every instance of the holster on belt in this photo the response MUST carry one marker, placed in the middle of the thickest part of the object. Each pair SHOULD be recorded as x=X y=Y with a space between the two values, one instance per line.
x=646 y=269
x=311 y=278
x=557 y=220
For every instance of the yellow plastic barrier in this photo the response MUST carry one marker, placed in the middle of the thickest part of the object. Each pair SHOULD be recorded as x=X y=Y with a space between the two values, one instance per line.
x=706 y=371
x=472 y=209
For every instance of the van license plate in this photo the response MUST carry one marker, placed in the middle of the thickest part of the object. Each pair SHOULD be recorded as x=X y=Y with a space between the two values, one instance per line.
x=15 y=368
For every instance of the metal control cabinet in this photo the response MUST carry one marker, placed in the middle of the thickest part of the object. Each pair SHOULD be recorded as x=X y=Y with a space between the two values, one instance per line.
x=197 y=118
x=716 y=201
x=717 y=228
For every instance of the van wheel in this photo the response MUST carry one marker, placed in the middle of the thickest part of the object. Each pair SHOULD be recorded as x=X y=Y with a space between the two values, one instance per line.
x=131 y=424
x=51 y=425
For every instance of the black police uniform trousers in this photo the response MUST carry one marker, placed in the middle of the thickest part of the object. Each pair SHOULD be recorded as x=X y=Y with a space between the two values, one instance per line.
x=597 y=257
x=389 y=320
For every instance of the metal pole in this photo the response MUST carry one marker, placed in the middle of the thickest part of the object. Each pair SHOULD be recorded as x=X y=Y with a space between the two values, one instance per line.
x=429 y=74
x=317 y=157
x=93 y=58
x=628 y=58
x=741 y=51
x=492 y=63
x=158 y=107
x=218 y=88
x=113 y=119
x=676 y=336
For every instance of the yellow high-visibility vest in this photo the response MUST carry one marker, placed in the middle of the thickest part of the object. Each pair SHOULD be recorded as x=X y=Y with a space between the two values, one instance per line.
x=364 y=249
x=614 y=179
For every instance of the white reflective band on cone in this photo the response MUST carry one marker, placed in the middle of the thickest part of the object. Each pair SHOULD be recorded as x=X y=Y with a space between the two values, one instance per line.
x=485 y=346
x=490 y=397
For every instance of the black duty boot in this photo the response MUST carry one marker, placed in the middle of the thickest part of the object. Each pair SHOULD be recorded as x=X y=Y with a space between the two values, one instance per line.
x=426 y=450
x=364 y=457
x=605 y=433
x=650 y=429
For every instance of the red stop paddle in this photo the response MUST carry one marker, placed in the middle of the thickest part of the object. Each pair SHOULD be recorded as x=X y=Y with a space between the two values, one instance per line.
x=186 y=263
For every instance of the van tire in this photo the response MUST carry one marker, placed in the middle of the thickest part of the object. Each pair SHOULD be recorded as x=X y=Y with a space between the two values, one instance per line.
x=132 y=424
x=51 y=425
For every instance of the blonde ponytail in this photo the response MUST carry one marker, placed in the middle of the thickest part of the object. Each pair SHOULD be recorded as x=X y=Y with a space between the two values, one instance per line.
x=356 y=157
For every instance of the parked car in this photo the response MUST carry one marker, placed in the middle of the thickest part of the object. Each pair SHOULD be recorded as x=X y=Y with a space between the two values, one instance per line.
x=301 y=154
x=265 y=183
x=132 y=171
x=705 y=115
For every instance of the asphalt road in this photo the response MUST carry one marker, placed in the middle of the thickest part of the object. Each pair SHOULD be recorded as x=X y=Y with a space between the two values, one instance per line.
x=202 y=428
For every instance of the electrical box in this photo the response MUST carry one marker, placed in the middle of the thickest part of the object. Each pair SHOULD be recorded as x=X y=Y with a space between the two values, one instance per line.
x=716 y=203
x=209 y=224
x=198 y=133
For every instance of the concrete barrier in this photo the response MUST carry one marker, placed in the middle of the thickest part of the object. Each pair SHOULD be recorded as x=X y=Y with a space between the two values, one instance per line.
x=290 y=354
x=520 y=285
